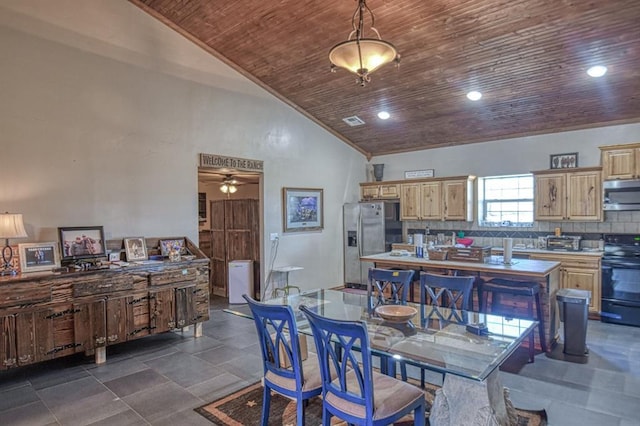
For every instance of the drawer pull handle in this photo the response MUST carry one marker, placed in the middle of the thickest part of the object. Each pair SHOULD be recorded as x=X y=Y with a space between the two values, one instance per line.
x=24 y=358
x=9 y=362
x=100 y=340
x=112 y=338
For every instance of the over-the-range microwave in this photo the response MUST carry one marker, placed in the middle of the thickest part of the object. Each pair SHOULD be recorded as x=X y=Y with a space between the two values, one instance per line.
x=621 y=194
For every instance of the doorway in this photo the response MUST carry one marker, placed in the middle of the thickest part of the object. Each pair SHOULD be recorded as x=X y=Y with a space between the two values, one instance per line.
x=229 y=218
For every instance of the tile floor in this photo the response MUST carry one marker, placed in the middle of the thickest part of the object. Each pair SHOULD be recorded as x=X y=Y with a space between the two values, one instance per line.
x=159 y=380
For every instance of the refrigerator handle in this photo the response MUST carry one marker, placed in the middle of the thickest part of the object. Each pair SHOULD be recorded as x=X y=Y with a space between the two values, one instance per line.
x=359 y=240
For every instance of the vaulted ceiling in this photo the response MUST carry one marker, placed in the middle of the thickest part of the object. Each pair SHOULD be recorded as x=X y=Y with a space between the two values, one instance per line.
x=527 y=57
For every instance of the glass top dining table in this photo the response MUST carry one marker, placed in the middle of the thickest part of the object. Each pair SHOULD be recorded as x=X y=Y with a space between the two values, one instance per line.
x=440 y=344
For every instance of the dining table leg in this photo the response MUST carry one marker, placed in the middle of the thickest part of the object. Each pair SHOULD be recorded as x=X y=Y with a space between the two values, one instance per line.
x=463 y=401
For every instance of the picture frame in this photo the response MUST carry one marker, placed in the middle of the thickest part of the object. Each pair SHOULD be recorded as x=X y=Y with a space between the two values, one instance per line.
x=81 y=242
x=135 y=248
x=175 y=243
x=563 y=161
x=302 y=209
x=35 y=257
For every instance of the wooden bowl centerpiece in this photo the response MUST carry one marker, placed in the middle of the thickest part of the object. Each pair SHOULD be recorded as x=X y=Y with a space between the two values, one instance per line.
x=396 y=313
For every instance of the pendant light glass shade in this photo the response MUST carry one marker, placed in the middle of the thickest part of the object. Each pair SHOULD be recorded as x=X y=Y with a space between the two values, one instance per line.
x=361 y=55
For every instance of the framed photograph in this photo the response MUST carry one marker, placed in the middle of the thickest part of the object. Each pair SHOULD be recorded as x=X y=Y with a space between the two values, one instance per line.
x=135 y=248
x=176 y=244
x=302 y=209
x=81 y=242
x=564 y=161
x=38 y=256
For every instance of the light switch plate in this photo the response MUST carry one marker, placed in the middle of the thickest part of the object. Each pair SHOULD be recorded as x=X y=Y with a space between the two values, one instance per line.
x=273 y=236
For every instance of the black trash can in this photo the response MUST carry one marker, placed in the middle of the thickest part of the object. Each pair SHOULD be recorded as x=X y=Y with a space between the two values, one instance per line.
x=574 y=313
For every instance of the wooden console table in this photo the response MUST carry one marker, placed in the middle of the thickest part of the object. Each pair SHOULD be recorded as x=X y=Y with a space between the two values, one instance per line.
x=49 y=315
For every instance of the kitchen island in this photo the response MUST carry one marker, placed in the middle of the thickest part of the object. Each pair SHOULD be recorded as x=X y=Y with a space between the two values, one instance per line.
x=547 y=273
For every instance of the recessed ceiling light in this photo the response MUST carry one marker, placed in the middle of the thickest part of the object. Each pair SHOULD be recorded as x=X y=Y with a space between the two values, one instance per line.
x=597 y=71
x=474 y=95
x=383 y=115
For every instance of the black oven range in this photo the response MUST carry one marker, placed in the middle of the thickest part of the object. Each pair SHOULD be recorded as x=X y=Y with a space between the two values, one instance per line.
x=621 y=279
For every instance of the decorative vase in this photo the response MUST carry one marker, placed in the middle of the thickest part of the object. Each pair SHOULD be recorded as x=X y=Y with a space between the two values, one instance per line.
x=378 y=169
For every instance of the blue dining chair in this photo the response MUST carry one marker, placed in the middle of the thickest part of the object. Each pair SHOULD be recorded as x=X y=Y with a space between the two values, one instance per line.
x=385 y=287
x=284 y=370
x=351 y=390
x=388 y=286
x=453 y=292
x=438 y=291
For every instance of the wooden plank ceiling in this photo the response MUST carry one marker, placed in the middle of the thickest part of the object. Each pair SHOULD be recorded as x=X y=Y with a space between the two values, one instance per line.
x=528 y=58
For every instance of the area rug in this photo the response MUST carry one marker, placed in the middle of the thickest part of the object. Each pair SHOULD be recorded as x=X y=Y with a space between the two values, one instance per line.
x=244 y=407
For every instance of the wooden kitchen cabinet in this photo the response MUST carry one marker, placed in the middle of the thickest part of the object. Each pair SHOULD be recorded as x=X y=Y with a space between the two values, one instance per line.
x=437 y=199
x=568 y=195
x=620 y=161
x=379 y=191
x=579 y=272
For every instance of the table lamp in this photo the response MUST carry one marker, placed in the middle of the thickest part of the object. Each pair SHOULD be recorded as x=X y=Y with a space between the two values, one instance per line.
x=11 y=226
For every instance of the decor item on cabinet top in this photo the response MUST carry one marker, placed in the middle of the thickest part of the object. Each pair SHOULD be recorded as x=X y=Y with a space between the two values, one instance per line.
x=359 y=54
x=378 y=172
x=11 y=226
x=81 y=242
x=419 y=174
x=36 y=257
x=564 y=161
x=172 y=245
x=303 y=209
x=135 y=248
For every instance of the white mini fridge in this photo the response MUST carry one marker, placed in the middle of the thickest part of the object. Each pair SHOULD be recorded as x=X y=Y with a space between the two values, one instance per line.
x=240 y=280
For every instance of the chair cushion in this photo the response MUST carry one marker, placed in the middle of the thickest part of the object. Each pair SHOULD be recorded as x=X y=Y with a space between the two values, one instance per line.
x=310 y=370
x=390 y=396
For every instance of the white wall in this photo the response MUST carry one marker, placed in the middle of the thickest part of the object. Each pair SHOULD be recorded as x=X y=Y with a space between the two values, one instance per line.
x=509 y=156
x=105 y=111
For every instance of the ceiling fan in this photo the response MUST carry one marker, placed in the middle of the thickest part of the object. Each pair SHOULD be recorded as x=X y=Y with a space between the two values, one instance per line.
x=229 y=184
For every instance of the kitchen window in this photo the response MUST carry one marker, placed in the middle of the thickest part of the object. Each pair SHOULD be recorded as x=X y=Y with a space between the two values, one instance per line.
x=506 y=200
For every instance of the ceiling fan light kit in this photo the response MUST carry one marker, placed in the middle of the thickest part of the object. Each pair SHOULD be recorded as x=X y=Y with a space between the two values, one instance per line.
x=229 y=185
x=359 y=54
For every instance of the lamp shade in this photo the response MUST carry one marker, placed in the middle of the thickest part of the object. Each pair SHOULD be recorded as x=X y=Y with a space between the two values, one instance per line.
x=374 y=53
x=11 y=226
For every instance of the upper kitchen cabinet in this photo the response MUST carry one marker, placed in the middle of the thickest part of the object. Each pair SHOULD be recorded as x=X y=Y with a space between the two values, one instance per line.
x=437 y=199
x=620 y=161
x=568 y=195
x=379 y=191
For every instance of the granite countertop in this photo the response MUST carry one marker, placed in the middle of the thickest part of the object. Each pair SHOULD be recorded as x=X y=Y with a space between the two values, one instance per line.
x=518 y=267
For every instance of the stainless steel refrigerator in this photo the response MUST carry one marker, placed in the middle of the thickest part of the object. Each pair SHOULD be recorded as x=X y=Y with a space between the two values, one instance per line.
x=364 y=234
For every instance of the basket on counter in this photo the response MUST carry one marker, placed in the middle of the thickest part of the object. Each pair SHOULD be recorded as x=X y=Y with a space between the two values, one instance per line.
x=438 y=253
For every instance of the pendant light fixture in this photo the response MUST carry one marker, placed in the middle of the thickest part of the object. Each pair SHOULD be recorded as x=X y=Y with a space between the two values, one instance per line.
x=359 y=54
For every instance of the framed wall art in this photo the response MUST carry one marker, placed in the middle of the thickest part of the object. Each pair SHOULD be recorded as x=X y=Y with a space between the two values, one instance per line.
x=81 y=242
x=135 y=248
x=38 y=256
x=302 y=209
x=564 y=161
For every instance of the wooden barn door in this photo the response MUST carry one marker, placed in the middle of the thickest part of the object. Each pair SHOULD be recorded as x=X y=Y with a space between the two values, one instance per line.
x=218 y=249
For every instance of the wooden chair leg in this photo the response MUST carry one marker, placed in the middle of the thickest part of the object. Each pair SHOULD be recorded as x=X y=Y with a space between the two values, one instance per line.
x=543 y=340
